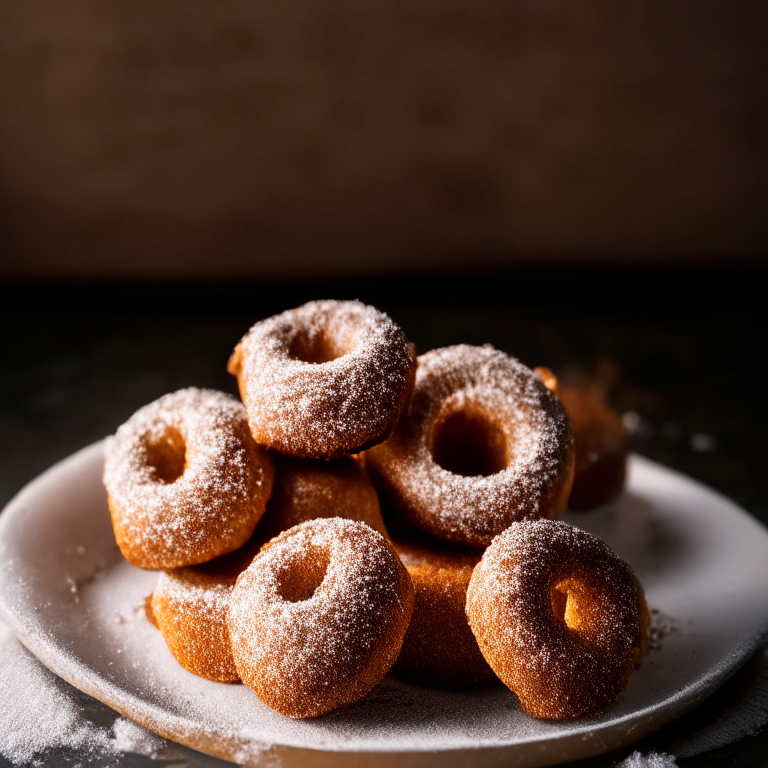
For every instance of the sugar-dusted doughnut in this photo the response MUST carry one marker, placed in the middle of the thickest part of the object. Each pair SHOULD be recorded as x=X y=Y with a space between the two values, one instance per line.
x=319 y=616
x=185 y=480
x=560 y=618
x=328 y=378
x=439 y=647
x=189 y=607
x=482 y=443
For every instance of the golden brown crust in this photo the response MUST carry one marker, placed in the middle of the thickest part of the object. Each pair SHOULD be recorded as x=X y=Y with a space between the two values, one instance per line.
x=185 y=481
x=307 y=489
x=325 y=379
x=190 y=609
x=560 y=618
x=319 y=617
x=481 y=444
x=439 y=647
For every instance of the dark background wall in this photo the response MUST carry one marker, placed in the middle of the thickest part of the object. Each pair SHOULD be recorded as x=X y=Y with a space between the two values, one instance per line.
x=173 y=138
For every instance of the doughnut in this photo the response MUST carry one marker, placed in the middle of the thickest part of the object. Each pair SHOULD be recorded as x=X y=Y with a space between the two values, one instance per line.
x=482 y=443
x=189 y=607
x=319 y=616
x=190 y=604
x=602 y=444
x=328 y=378
x=439 y=647
x=306 y=489
x=561 y=619
x=185 y=480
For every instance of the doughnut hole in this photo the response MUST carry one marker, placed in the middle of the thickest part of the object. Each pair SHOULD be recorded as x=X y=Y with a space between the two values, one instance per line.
x=305 y=573
x=570 y=603
x=469 y=442
x=166 y=456
x=320 y=346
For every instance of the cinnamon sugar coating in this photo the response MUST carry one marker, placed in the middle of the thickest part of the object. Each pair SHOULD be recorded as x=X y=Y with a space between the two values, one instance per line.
x=319 y=616
x=185 y=480
x=482 y=443
x=439 y=647
x=560 y=618
x=325 y=379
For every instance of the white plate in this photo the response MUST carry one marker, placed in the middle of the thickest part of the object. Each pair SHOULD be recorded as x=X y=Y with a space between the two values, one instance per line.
x=79 y=607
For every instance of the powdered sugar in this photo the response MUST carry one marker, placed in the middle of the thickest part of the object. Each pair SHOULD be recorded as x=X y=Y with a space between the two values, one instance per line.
x=40 y=713
x=662 y=626
x=57 y=720
x=132 y=737
x=210 y=598
x=648 y=760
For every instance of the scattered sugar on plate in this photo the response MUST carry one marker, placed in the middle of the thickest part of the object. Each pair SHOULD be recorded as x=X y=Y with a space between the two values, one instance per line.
x=44 y=721
x=649 y=760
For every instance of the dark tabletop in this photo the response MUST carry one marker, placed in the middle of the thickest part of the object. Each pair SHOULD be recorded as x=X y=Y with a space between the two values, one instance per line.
x=679 y=352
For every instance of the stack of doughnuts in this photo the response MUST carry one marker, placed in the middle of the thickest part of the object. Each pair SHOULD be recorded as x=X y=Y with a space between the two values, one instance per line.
x=278 y=568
